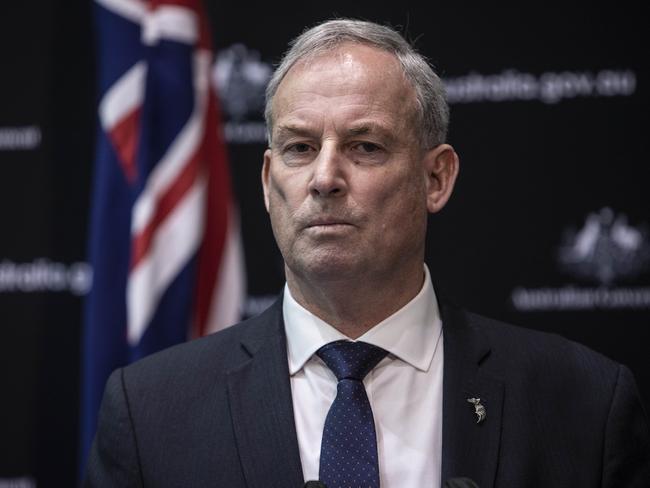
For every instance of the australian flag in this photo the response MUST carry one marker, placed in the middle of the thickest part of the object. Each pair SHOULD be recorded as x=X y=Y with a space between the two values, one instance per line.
x=164 y=236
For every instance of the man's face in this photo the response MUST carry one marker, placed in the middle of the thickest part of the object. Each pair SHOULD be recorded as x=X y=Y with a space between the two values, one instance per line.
x=344 y=179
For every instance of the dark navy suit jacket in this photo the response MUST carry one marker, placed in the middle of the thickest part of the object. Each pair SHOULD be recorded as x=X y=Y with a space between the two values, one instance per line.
x=217 y=412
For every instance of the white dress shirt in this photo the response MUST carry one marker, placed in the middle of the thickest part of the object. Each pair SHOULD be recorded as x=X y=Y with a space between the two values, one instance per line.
x=404 y=389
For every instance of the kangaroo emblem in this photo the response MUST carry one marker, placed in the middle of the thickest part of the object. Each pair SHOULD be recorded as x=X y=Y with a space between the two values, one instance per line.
x=479 y=409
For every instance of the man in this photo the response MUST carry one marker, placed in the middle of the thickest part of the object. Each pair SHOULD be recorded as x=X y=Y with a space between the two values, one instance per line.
x=357 y=122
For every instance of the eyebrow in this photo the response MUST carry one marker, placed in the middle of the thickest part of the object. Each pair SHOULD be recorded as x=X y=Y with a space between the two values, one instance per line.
x=284 y=131
x=363 y=128
x=369 y=128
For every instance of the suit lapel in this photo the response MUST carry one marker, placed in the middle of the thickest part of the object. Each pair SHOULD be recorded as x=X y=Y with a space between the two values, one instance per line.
x=469 y=449
x=261 y=407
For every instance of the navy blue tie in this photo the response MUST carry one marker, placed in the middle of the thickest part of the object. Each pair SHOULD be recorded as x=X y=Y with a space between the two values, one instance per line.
x=348 y=454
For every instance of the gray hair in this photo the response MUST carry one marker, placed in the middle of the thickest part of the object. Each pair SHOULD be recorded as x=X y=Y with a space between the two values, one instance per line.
x=432 y=111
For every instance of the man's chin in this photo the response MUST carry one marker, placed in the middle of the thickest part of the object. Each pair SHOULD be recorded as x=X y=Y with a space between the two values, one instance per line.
x=326 y=266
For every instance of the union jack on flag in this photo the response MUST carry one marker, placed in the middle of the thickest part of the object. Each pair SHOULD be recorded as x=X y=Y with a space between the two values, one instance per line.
x=164 y=236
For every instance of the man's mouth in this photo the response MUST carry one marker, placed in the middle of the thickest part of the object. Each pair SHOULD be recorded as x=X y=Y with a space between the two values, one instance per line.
x=326 y=223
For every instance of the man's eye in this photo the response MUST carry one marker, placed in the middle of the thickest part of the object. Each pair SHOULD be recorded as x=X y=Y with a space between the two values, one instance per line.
x=299 y=148
x=368 y=153
x=367 y=147
x=298 y=153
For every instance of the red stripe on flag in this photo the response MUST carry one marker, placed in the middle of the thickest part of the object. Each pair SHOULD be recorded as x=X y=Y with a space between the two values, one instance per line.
x=124 y=136
x=177 y=190
x=219 y=201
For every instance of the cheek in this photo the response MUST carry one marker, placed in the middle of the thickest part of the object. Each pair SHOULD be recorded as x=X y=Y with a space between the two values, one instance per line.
x=289 y=185
x=284 y=202
x=404 y=206
x=276 y=190
x=400 y=191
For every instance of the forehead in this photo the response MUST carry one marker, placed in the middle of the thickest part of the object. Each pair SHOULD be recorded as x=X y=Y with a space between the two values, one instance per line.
x=349 y=81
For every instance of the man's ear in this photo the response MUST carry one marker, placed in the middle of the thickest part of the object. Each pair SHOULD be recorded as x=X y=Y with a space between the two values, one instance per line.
x=441 y=165
x=266 y=168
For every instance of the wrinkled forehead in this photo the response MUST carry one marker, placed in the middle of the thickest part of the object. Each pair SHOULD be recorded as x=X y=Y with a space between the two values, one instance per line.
x=352 y=60
x=347 y=71
x=347 y=52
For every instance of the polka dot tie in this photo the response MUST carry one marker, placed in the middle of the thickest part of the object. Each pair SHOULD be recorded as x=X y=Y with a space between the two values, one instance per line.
x=348 y=455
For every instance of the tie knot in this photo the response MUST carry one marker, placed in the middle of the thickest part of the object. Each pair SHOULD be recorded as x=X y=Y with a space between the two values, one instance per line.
x=351 y=360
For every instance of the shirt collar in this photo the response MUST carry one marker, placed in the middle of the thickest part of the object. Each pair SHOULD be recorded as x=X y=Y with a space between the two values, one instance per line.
x=412 y=333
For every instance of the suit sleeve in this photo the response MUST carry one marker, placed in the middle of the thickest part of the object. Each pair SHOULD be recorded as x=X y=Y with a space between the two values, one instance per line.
x=113 y=459
x=626 y=459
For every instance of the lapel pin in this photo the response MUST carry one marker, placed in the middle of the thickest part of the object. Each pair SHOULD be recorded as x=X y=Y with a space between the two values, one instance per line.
x=479 y=409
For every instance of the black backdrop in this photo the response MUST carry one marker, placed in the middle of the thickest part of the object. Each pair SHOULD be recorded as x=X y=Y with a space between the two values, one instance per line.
x=548 y=227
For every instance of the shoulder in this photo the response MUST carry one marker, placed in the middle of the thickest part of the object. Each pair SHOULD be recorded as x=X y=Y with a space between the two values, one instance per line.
x=588 y=405
x=206 y=358
x=539 y=345
x=547 y=361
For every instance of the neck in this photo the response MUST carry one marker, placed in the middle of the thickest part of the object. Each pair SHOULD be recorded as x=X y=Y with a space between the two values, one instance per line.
x=354 y=306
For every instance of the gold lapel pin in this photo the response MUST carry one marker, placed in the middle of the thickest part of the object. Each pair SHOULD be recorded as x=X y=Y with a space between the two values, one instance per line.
x=479 y=409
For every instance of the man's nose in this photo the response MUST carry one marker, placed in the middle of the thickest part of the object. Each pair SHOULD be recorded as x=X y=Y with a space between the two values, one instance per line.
x=328 y=178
